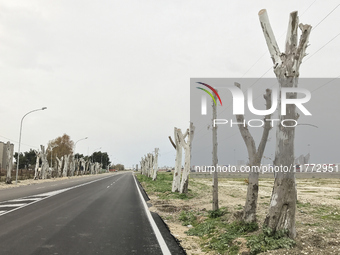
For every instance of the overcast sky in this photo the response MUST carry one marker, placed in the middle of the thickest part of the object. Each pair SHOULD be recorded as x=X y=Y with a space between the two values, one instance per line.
x=119 y=72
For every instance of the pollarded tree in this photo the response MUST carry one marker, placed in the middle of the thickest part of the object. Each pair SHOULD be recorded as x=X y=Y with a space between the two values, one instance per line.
x=9 y=161
x=187 y=152
x=282 y=208
x=59 y=166
x=255 y=156
x=66 y=165
x=36 y=169
x=44 y=164
x=176 y=182
x=155 y=165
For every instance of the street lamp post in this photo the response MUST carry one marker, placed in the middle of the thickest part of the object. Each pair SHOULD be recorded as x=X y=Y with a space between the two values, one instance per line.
x=74 y=150
x=18 y=161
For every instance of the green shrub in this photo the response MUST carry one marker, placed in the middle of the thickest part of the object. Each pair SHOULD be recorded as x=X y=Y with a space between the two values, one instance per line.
x=269 y=240
x=202 y=229
x=217 y=213
x=187 y=218
x=223 y=242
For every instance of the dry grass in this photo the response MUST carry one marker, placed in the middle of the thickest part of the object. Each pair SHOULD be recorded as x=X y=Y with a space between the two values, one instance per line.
x=317 y=217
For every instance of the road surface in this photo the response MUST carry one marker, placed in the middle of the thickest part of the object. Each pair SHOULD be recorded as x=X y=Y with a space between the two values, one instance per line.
x=101 y=215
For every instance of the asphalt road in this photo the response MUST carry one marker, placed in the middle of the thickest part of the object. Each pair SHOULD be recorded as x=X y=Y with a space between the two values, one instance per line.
x=105 y=216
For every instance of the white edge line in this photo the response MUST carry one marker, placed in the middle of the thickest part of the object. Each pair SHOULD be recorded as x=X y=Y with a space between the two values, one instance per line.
x=158 y=234
x=62 y=190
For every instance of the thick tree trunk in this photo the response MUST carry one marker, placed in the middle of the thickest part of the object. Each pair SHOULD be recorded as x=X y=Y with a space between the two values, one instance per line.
x=44 y=164
x=82 y=166
x=66 y=165
x=187 y=152
x=9 y=162
x=178 y=166
x=150 y=165
x=87 y=165
x=155 y=165
x=36 y=169
x=72 y=165
x=91 y=168
x=282 y=208
x=59 y=166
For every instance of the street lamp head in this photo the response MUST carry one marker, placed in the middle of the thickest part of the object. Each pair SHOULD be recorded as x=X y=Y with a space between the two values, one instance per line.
x=85 y=137
x=44 y=108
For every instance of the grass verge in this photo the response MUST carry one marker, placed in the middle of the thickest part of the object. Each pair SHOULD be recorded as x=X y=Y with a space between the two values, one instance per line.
x=162 y=186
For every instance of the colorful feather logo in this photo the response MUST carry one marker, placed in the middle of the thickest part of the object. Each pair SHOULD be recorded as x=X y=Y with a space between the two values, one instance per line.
x=213 y=90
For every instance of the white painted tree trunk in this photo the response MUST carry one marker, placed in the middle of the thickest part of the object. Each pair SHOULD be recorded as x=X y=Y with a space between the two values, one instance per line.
x=9 y=162
x=92 y=168
x=76 y=166
x=87 y=166
x=66 y=165
x=144 y=166
x=255 y=156
x=82 y=166
x=155 y=165
x=59 y=166
x=44 y=164
x=187 y=161
x=36 y=169
x=176 y=182
x=150 y=162
x=72 y=165
x=282 y=208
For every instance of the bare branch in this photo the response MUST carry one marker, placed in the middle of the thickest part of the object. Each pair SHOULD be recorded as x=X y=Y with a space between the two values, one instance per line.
x=291 y=38
x=270 y=38
x=303 y=43
x=267 y=126
x=172 y=142
x=247 y=137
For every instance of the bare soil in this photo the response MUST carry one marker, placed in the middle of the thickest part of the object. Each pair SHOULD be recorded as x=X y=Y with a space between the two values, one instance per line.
x=317 y=217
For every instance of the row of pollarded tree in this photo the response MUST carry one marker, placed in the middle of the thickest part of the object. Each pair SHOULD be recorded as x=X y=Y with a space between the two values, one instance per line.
x=67 y=165
x=149 y=165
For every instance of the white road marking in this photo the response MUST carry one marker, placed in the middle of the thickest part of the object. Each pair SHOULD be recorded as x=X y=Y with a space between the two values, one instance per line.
x=11 y=205
x=42 y=196
x=160 y=239
x=24 y=199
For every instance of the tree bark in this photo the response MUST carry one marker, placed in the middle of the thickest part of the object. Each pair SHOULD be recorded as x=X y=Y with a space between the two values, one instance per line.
x=178 y=166
x=255 y=157
x=282 y=208
x=187 y=161
x=72 y=165
x=155 y=165
x=36 y=169
x=44 y=164
x=9 y=162
x=66 y=165
x=150 y=165
x=59 y=166
x=215 y=205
